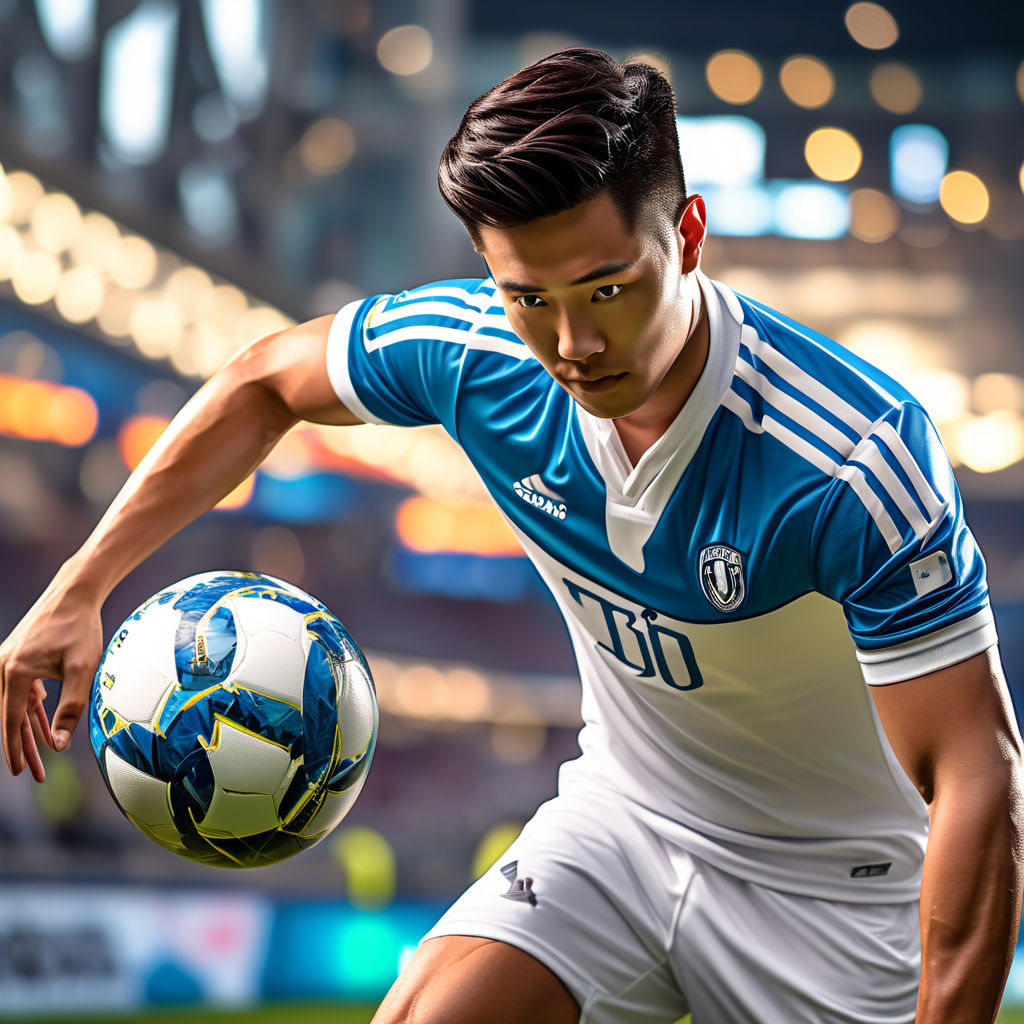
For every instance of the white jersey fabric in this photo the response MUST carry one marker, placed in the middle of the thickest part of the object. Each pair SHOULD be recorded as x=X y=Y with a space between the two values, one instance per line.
x=798 y=517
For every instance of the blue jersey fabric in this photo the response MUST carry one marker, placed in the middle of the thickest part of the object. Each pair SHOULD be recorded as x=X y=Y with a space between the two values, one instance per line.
x=445 y=354
x=721 y=695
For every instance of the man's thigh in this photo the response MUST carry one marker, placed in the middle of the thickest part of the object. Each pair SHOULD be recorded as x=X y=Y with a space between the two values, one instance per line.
x=460 y=979
x=589 y=893
x=749 y=955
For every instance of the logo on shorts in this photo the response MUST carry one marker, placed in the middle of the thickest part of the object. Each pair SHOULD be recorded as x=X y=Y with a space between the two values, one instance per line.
x=871 y=870
x=721 y=577
x=518 y=888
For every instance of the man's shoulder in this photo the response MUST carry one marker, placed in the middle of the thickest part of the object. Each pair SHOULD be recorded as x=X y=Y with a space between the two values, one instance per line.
x=464 y=312
x=813 y=368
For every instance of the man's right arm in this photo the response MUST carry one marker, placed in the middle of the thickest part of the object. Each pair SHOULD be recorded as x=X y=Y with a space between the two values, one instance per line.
x=220 y=436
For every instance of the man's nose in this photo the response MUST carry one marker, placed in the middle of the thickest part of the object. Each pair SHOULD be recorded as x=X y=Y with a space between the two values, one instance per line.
x=579 y=339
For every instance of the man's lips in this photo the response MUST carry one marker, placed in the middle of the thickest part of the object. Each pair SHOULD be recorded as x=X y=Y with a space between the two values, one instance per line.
x=592 y=385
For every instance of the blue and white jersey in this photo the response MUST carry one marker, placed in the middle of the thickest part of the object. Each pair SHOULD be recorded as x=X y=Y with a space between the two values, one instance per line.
x=801 y=498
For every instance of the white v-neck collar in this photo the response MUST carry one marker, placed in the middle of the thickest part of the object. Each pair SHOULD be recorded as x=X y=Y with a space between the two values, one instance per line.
x=636 y=495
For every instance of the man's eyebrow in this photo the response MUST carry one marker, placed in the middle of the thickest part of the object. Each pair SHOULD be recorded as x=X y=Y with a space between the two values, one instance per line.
x=605 y=270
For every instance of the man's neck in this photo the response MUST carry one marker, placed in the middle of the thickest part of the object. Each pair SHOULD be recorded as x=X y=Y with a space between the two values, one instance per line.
x=641 y=429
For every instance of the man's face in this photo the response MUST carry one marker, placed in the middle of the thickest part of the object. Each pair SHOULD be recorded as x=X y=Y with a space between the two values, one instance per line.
x=606 y=310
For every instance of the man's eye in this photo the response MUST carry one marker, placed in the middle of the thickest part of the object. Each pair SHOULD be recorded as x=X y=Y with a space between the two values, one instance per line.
x=607 y=291
x=529 y=301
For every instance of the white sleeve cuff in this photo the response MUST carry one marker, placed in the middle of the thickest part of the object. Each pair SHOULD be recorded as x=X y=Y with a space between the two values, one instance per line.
x=944 y=647
x=337 y=363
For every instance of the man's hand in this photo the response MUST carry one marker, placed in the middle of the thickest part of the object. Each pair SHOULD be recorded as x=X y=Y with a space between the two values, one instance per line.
x=60 y=638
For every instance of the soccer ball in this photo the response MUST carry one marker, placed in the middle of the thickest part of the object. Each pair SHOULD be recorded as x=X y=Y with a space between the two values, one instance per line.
x=234 y=719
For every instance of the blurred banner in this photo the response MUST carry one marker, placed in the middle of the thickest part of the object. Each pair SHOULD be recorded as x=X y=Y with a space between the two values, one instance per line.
x=91 y=950
x=88 y=951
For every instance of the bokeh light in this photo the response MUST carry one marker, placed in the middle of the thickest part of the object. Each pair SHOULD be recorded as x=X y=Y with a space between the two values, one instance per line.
x=874 y=217
x=97 y=243
x=39 y=410
x=1020 y=81
x=918 y=155
x=405 y=50
x=35 y=277
x=431 y=525
x=832 y=154
x=114 y=316
x=79 y=295
x=135 y=264
x=156 y=327
x=998 y=392
x=327 y=145
x=73 y=416
x=872 y=26
x=945 y=394
x=368 y=865
x=734 y=76
x=25 y=192
x=56 y=221
x=10 y=250
x=807 y=81
x=188 y=288
x=895 y=87
x=990 y=443
x=964 y=197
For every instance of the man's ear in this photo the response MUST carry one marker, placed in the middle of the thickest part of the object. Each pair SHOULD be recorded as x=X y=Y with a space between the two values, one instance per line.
x=693 y=230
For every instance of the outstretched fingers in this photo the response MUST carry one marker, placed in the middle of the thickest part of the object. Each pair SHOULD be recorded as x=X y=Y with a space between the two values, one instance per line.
x=38 y=720
x=31 y=749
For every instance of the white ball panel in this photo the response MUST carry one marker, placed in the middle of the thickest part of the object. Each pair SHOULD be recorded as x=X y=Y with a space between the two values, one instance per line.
x=247 y=763
x=357 y=710
x=140 y=795
x=272 y=659
x=143 y=666
x=238 y=814
x=246 y=771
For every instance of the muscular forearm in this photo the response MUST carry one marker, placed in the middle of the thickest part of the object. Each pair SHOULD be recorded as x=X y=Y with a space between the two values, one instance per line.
x=970 y=897
x=216 y=440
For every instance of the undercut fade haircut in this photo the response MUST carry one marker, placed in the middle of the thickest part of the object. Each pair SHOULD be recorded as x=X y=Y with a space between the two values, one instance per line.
x=556 y=133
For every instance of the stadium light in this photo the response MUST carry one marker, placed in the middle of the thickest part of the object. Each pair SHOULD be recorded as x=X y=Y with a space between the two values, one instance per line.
x=917 y=160
x=136 y=81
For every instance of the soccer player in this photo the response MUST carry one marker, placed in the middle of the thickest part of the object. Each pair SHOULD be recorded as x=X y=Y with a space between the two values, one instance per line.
x=751 y=834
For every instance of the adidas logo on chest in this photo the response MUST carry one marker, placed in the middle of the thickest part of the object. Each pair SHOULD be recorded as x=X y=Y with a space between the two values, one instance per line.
x=535 y=492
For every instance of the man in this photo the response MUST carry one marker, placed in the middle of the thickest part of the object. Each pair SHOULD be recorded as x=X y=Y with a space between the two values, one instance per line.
x=743 y=835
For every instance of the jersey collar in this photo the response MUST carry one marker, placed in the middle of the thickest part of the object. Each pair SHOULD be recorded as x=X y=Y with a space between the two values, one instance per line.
x=637 y=495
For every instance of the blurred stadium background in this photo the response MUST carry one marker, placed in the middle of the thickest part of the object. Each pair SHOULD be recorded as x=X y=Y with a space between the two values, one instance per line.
x=179 y=178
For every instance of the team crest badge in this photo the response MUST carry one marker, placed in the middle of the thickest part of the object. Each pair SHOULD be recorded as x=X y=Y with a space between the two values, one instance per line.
x=721 y=577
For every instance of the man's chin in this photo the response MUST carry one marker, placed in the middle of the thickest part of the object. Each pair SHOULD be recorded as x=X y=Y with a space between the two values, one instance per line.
x=606 y=407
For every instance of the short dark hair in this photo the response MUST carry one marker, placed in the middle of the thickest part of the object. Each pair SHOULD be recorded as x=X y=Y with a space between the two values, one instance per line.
x=558 y=132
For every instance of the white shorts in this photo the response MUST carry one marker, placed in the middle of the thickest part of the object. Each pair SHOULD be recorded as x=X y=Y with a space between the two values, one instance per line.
x=642 y=932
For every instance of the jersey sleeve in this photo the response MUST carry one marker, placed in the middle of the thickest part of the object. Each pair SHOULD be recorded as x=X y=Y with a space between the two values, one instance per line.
x=390 y=358
x=892 y=546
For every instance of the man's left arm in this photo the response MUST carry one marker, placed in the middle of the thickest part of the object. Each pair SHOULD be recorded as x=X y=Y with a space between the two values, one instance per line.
x=955 y=735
